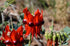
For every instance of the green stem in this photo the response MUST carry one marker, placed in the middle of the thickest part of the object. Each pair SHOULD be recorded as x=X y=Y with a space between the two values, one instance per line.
x=11 y=21
x=30 y=40
x=2 y=18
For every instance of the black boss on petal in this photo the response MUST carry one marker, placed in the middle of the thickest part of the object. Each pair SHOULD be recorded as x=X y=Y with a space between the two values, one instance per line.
x=42 y=22
x=37 y=24
x=31 y=24
x=24 y=21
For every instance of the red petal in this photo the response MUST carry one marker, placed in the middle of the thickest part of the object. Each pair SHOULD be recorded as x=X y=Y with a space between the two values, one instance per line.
x=30 y=18
x=7 y=39
x=20 y=29
x=21 y=39
x=7 y=29
x=3 y=34
x=26 y=27
x=2 y=38
x=33 y=32
x=41 y=16
x=19 y=44
x=53 y=43
x=37 y=12
x=25 y=19
x=48 y=42
x=25 y=11
x=8 y=44
x=13 y=35
x=28 y=31
x=37 y=15
x=36 y=31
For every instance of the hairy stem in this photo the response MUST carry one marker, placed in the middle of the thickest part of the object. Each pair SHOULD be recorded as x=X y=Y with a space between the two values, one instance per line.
x=30 y=40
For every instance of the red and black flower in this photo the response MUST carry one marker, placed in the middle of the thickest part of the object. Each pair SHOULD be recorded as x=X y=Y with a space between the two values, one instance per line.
x=33 y=23
x=12 y=38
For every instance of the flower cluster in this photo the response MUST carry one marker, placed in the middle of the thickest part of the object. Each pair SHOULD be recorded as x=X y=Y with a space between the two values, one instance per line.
x=53 y=38
x=33 y=23
x=12 y=38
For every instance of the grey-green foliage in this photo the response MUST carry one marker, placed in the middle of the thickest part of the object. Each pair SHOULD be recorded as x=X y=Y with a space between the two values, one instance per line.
x=52 y=3
x=67 y=30
x=43 y=30
x=68 y=4
x=1 y=9
x=43 y=2
x=10 y=1
x=22 y=15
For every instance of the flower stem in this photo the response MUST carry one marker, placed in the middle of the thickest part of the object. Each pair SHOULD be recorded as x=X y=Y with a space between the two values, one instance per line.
x=30 y=40
x=2 y=18
x=11 y=21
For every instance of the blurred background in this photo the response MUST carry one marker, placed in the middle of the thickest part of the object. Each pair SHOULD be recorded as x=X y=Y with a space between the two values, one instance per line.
x=58 y=11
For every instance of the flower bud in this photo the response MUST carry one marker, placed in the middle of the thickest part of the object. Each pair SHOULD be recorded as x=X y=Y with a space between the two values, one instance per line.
x=49 y=36
x=46 y=36
x=65 y=34
x=54 y=37
x=58 y=36
x=62 y=37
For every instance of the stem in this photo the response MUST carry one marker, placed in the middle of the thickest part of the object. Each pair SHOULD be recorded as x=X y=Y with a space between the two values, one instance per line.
x=11 y=21
x=2 y=19
x=52 y=26
x=30 y=40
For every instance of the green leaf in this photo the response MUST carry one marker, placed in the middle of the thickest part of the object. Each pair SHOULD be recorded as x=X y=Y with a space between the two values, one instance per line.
x=26 y=44
x=10 y=1
x=0 y=32
x=6 y=4
x=43 y=28
x=67 y=30
x=22 y=15
x=66 y=43
x=67 y=4
x=68 y=39
x=51 y=27
x=24 y=32
x=15 y=26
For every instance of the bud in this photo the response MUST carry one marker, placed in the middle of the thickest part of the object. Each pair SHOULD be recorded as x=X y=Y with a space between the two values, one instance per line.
x=54 y=37
x=65 y=34
x=49 y=36
x=62 y=37
x=52 y=33
x=46 y=35
x=58 y=35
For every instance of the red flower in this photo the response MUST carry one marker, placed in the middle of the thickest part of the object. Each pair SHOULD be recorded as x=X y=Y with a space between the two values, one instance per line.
x=13 y=38
x=33 y=23
x=26 y=13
